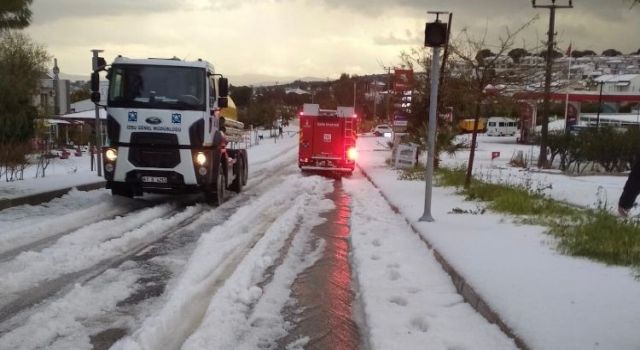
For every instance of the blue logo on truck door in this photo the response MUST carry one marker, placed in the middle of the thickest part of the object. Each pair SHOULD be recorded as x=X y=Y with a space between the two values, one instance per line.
x=133 y=116
x=176 y=118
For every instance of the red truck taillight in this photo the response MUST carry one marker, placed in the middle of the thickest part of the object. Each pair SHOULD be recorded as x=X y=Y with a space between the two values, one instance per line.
x=352 y=154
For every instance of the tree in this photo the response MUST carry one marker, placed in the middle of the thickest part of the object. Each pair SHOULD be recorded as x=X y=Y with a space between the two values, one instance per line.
x=14 y=14
x=81 y=94
x=343 y=90
x=517 y=54
x=22 y=63
x=481 y=72
x=241 y=95
x=483 y=54
x=611 y=53
x=555 y=54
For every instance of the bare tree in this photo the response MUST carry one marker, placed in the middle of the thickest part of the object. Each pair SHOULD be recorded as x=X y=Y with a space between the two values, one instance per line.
x=482 y=70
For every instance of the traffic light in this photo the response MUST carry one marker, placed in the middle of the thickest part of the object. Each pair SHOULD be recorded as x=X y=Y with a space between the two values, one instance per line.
x=435 y=34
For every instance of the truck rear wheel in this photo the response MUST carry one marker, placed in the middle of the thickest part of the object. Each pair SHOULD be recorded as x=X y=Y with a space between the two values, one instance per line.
x=239 y=180
x=246 y=167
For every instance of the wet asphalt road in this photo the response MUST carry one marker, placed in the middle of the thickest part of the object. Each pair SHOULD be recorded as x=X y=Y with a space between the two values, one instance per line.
x=323 y=293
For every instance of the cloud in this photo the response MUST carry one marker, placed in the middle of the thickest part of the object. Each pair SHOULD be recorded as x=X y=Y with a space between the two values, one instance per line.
x=392 y=40
x=53 y=10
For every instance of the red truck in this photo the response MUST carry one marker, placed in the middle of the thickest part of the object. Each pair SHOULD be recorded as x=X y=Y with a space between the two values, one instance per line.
x=327 y=139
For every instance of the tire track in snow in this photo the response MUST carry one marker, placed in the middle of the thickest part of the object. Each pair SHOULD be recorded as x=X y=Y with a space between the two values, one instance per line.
x=24 y=239
x=37 y=276
x=220 y=254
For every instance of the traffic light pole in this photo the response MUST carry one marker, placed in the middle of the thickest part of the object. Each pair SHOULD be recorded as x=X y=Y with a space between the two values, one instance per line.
x=98 y=123
x=431 y=135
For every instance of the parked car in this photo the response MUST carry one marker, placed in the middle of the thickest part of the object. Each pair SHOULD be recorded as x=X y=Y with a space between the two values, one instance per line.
x=381 y=130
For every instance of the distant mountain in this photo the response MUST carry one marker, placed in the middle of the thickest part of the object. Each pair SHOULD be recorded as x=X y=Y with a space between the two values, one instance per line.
x=74 y=77
x=236 y=80
x=265 y=80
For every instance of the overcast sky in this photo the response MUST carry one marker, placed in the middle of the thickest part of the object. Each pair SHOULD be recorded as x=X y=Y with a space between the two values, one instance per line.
x=305 y=38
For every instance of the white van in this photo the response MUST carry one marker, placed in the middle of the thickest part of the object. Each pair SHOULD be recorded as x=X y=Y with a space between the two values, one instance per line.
x=501 y=126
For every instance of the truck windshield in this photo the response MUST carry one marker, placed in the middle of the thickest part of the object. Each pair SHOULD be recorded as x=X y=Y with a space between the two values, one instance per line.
x=158 y=87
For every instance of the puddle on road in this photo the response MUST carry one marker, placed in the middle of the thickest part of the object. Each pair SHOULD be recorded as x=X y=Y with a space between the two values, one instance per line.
x=324 y=310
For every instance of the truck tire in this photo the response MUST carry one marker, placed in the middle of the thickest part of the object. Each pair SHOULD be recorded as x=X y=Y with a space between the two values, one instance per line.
x=238 y=181
x=215 y=195
x=246 y=167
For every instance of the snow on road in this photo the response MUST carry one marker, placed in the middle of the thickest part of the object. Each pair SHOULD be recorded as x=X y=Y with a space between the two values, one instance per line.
x=211 y=292
x=409 y=302
x=78 y=236
x=89 y=246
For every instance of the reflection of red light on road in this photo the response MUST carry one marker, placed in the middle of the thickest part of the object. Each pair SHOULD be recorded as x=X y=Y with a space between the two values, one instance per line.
x=340 y=274
x=324 y=290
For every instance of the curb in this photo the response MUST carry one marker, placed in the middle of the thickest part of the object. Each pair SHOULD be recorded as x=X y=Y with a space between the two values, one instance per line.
x=469 y=294
x=39 y=198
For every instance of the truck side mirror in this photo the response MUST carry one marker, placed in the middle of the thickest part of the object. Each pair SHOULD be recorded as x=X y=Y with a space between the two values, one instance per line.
x=95 y=97
x=223 y=102
x=223 y=87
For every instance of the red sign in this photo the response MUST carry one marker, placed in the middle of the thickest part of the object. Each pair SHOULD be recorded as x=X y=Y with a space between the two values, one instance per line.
x=402 y=79
x=495 y=155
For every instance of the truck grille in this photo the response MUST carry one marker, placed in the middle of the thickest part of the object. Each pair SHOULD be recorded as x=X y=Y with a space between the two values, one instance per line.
x=154 y=150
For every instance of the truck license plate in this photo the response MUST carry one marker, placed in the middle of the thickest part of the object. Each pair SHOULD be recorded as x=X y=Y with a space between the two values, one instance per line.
x=155 y=179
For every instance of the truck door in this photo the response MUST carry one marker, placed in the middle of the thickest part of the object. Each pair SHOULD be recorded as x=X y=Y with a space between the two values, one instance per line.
x=328 y=137
x=307 y=126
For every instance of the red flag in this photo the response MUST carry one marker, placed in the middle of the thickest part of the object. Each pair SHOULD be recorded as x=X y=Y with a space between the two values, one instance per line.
x=569 y=50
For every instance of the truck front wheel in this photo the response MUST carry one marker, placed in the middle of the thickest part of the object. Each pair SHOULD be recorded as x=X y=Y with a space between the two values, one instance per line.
x=215 y=195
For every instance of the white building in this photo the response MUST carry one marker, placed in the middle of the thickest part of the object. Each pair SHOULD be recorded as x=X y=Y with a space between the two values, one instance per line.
x=622 y=83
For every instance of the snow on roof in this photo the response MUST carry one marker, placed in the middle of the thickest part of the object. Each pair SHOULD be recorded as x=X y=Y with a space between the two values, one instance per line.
x=297 y=91
x=615 y=78
x=86 y=115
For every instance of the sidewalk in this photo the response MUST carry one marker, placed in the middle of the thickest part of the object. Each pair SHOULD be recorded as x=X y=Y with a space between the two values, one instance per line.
x=61 y=176
x=546 y=299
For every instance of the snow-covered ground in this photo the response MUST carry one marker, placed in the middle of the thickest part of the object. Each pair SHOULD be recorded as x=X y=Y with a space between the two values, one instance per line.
x=228 y=287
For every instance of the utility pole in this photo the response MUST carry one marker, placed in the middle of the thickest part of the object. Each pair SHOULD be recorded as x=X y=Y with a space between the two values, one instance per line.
x=599 y=105
x=542 y=160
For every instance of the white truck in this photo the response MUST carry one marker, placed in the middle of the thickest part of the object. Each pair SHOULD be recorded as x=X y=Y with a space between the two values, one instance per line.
x=166 y=131
x=501 y=126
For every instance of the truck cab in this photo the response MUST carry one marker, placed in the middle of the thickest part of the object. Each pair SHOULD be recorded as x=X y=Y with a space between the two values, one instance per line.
x=165 y=131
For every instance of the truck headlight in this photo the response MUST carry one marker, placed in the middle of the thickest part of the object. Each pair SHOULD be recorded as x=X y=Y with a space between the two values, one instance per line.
x=201 y=159
x=111 y=154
